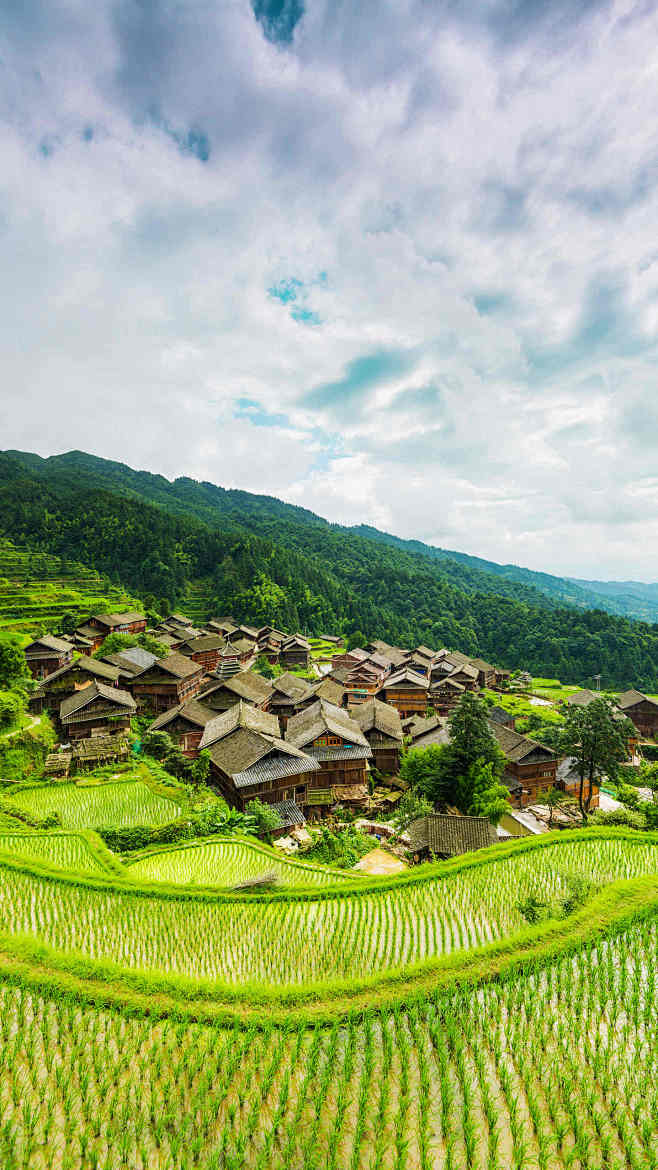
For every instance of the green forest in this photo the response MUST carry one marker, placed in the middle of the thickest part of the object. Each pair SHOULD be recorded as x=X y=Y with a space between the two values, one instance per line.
x=266 y=561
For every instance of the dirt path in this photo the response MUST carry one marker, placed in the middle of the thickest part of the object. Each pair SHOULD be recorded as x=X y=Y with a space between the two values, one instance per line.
x=380 y=861
x=34 y=719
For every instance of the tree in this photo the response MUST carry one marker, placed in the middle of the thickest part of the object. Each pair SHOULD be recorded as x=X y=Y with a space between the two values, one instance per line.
x=648 y=776
x=598 y=741
x=13 y=667
x=472 y=746
x=425 y=770
x=264 y=667
x=199 y=770
x=265 y=817
x=411 y=807
x=552 y=799
x=490 y=798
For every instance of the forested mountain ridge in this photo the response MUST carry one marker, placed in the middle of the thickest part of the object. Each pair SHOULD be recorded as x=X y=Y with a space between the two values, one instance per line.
x=267 y=561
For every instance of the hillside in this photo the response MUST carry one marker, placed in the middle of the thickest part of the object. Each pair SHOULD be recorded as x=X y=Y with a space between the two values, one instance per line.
x=37 y=589
x=189 y=543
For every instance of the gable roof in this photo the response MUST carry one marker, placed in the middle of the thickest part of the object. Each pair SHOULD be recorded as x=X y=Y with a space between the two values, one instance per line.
x=240 y=715
x=290 y=814
x=322 y=718
x=330 y=690
x=131 y=661
x=292 y=687
x=632 y=698
x=581 y=698
x=194 y=711
x=451 y=835
x=91 y=666
x=119 y=619
x=175 y=664
x=499 y=715
x=373 y=715
x=517 y=747
x=68 y=708
x=402 y=678
x=49 y=642
x=296 y=641
x=429 y=731
x=203 y=642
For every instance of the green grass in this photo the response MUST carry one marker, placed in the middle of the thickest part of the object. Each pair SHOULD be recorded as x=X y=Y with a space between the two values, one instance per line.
x=521 y=706
x=118 y=804
x=227 y=862
x=321 y=649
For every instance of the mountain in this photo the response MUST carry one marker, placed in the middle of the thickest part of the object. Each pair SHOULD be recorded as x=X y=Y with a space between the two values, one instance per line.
x=267 y=561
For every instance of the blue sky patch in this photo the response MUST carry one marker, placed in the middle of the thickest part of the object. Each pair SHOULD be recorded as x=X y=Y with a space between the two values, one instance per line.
x=363 y=374
x=255 y=413
x=278 y=18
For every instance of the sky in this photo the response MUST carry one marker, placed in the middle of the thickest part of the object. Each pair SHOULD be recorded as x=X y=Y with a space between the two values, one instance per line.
x=396 y=262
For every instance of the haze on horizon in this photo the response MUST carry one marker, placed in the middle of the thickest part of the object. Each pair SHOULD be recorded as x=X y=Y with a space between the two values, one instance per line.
x=392 y=262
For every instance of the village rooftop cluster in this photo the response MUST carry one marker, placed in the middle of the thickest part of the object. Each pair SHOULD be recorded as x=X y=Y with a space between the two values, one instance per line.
x=305 y=741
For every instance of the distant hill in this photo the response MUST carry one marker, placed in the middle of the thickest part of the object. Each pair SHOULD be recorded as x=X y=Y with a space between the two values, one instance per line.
x=267 y=561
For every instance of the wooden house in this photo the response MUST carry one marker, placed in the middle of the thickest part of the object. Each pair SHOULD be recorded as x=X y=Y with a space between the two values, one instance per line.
x=290 y=816
x=568 y=781
x=446 y=835
x=295 y=653
x=289 y=695
x=46 y=654
x=445 y=694
x=118 y=623
x=129 y=662
x=394 y=655
x=528 y=764
x=96 y=710
x=167 y=683
x=426 y=732
x=641 y=710
x=330 y=736
x=227 y=626
x=97 y=750
x=205 y=649
x=486 y=673
x=382 y=727
x=363 y=682
x=249 y=633
x=247 y=685
x=500 y=715
x=185 y=724
x=88 y=639
x=407 y=691
x=248 y=758
x=71 y=678
x=334 y=692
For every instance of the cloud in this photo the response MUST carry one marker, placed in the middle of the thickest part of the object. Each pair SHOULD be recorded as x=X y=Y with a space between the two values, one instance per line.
x=394 y=261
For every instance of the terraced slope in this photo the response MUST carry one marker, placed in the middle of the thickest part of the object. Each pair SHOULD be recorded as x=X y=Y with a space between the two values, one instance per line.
x=551 y=1068
x=37 y=589
x=354 y=932
x=70 y=851
x=227 y=862
x=117 y=804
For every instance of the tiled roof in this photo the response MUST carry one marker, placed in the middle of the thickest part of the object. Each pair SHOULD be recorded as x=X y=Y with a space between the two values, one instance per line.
x=71 y=707
x=48 y=642
x=373 y=715
x=325 y=754
x=449 y=835
x=318 y=719
x=273 y=767
x=517 y=747
x=240 y=715
x=290 y=814
x=632 y=698
x=194 y=711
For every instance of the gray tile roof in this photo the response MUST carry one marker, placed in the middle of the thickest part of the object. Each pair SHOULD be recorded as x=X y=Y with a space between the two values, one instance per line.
x=518 y=747
x=273 y=767
x=290 y=814
x=632 y=698
x=325 y=754
x=240 y=715
x=448 y=835
x=48 y=642
x=194 y=711
x=323 y=718
x=373 y=715
x=70 y=708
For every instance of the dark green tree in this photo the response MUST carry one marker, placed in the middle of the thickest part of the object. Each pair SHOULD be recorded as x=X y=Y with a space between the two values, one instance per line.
x=598 y=741
x=13 y=667
x=472 y=747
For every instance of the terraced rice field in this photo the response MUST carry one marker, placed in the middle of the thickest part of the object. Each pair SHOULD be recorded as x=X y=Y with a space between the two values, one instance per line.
x=66 y=850
x=294 y=939
x=555 y=1068
x=113 y=805
x=227 y=862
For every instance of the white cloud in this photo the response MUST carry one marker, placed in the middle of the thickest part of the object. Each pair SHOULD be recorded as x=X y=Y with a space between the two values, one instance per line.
x=480 y=194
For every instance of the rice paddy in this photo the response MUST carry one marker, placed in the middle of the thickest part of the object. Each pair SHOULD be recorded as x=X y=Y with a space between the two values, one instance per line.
x=308 y=937
x=117 y=804
x=153 y=1018
x=66 y=850
x=532 y=1071
x=228 y=862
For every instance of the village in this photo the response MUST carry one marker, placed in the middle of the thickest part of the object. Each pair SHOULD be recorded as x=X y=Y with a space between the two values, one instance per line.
x=305 y=725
